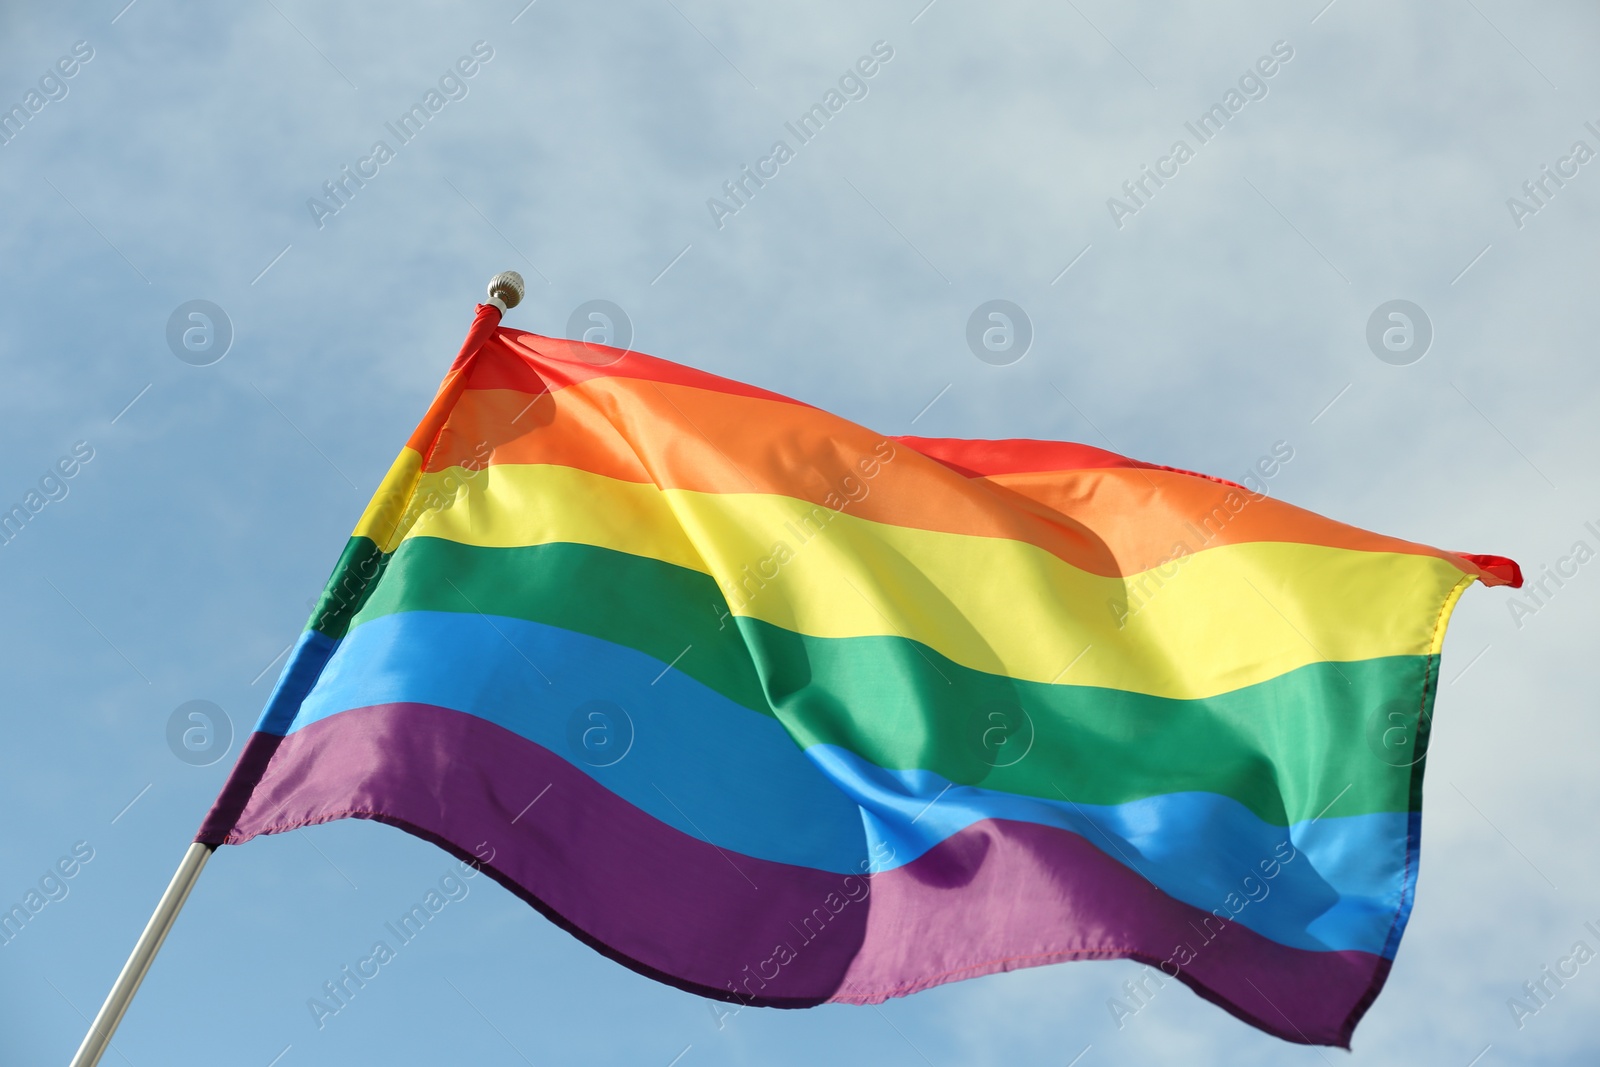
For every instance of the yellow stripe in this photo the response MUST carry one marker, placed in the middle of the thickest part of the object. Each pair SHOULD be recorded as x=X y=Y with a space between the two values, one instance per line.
x=1217 y=620
x=1436 y=644
x=383 y=519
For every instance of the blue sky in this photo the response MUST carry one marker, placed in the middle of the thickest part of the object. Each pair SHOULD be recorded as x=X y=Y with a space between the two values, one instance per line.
x=1226 y=314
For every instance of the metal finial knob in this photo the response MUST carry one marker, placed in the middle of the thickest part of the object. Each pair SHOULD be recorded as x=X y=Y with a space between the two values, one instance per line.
x=507 y=289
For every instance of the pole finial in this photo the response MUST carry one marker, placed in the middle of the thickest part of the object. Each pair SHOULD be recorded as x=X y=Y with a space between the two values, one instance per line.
x=506 y=290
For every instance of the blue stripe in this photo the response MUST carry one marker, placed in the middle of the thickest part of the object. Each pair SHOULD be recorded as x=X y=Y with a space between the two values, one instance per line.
x=300 y=672
x=697 y=761
x=1331 y=883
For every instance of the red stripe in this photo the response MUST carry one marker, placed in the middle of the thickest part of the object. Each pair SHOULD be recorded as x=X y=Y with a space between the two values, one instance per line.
x=1020 y=455
x=1496 y=570
x=531 y=363
x=979 y=459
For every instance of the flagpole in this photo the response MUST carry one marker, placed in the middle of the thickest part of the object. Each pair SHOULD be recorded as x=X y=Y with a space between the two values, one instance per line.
x=98 y=1039
x=506 y=291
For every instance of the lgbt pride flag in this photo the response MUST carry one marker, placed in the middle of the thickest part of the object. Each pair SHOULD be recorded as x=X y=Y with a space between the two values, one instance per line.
x=778 y=710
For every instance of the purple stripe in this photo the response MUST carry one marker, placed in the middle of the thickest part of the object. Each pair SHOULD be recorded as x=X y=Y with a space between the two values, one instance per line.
x=997 y=896
x=1004 y=895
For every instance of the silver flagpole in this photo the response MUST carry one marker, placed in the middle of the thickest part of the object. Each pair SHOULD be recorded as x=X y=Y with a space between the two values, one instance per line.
x=98 y=1038
x=506 y=291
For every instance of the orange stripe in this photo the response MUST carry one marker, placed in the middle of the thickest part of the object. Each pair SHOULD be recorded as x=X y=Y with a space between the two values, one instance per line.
x=1112 y=521
x=1151 y=514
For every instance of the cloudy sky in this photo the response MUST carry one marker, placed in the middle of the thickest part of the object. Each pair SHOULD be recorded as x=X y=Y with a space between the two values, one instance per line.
x=1199 y=325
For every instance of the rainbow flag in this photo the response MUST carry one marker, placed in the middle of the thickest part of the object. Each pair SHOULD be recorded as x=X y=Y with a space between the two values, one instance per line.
x=782 y=711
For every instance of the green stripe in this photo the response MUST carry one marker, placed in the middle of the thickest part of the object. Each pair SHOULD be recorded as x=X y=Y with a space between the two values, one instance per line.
x=353 y=580
x=1284 y=748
